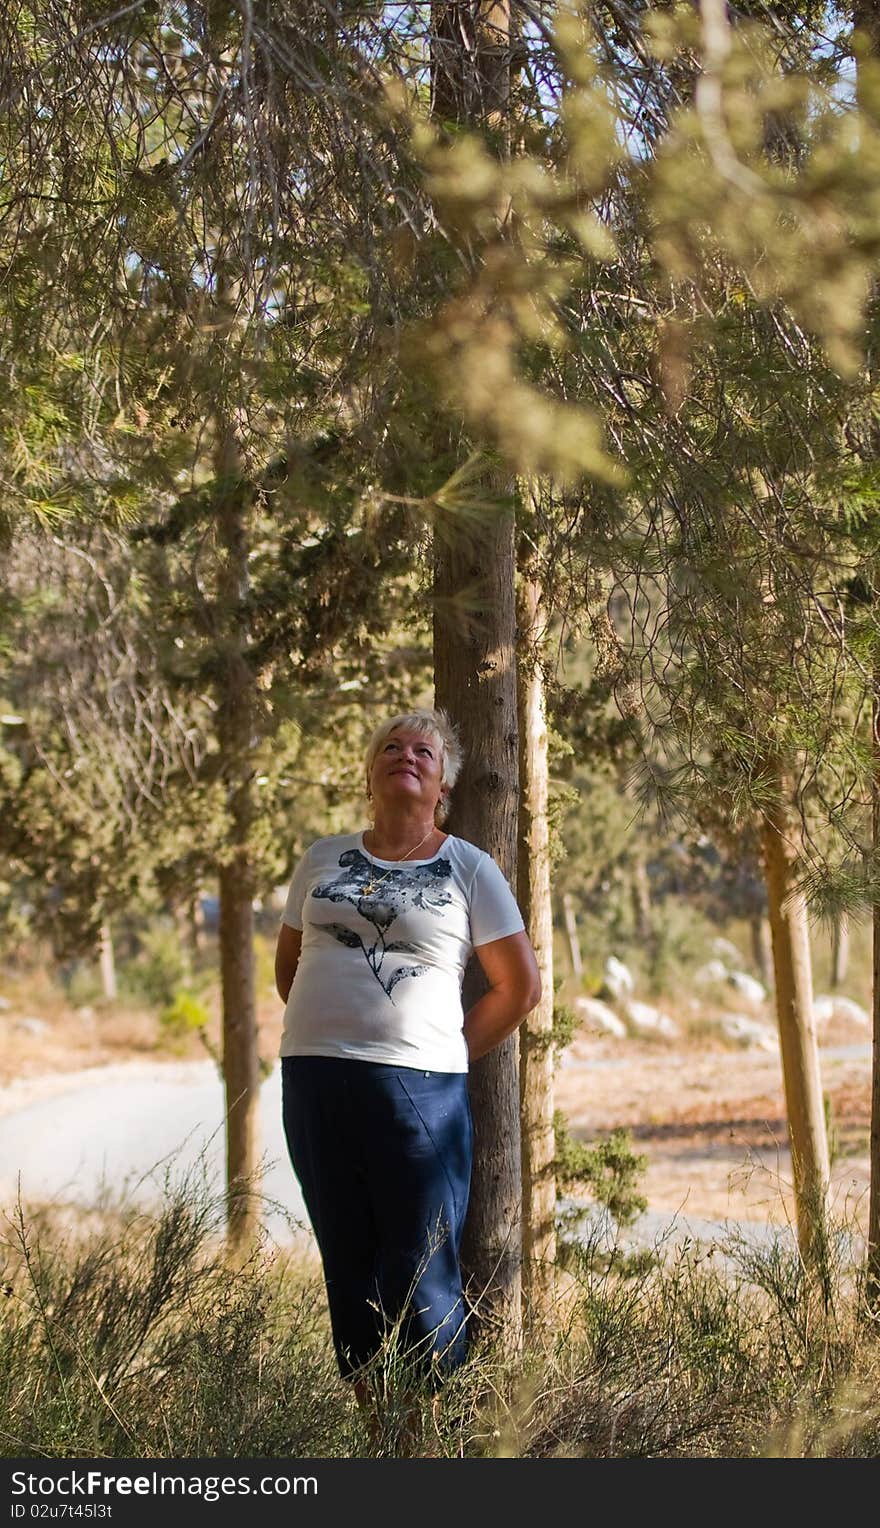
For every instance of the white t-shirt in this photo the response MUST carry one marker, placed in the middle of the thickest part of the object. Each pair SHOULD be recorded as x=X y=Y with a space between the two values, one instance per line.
x=379 y=976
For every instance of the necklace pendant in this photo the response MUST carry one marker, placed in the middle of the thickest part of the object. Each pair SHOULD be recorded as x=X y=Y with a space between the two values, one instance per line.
x=368 y=890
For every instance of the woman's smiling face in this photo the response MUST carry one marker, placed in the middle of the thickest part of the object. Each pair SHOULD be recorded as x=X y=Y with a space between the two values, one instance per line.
x=408 y=766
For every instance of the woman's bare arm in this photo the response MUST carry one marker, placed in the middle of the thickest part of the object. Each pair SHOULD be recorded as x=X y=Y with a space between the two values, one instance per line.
x=514 y=981
x=286 y=958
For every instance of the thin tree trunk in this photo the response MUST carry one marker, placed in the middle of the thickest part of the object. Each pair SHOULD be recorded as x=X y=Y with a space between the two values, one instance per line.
x=571 y=932
x=797 y=1030
x=762 y=948
x=839 y=950
x=241 y=1079
x=475 y=681
x=107 y=962
x=536 y=1034
x=873 y=1262
x=641 y=899
x=195 y=928
x=866 y=18
x=235 y=729
x=470 y=61
x=180 y=914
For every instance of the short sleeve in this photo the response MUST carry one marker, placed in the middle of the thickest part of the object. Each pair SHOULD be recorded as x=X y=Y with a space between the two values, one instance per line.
x=297 y=894
x=493 y=911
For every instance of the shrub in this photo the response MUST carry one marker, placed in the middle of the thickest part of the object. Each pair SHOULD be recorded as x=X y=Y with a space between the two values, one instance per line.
x=160 y=968
x=608 y=1169
x=184 y=1015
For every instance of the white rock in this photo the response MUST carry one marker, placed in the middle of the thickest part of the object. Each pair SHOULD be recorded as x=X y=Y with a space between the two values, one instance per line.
x=724 y=950
x=748 y=1032
x=845 y=1008
x=618 y=977
x=5 y=1005
x=648 y=1020
x=748 y=987
x=825 y=1008
x=712 y=971
x=598 y=1016
x=30 y=1026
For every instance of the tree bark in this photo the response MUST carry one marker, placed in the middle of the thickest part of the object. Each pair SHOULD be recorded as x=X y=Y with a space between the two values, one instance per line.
x=866 y=18
x=470 y=61
x=641 y=901
x=572 y=935
x=195 y=927
x=762 y=949
x=571 y=932
x=797 y=1029
x=107 y=962
x=839 y=950
x=475 y=681
x=235 y=735
x=536 y=1034
x=873 y=1260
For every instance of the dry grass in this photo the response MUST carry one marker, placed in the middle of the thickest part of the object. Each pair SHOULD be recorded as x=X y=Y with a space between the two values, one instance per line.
x=127 y=1334
x=76 y=1027
x=132 y=1335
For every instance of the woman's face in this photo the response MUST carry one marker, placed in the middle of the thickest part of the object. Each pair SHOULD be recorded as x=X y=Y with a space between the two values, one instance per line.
x=408 y=768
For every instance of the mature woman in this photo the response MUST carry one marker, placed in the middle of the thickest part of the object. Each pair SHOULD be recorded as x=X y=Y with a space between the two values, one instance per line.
x=378 y=928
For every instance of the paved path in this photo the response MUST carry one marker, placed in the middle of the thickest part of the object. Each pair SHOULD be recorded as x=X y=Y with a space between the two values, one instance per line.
x=127 y=1129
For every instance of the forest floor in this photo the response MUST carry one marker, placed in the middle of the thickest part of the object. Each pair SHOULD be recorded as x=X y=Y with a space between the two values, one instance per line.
x=709 y=1117
x=711 y=1124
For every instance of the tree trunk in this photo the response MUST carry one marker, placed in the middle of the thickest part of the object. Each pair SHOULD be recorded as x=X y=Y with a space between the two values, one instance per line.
x=475 y=681
x=571 y=934
x=107 y=962
x=873 y=1264
x=195 y=927
x=641 y=900
x=180 y=914
x=470 y=61
x=866 y=18
x=797 y=1029
x=839 y=950
x=235 y=736
x=536 y=1034
x=241 y=1077
x=762 y=949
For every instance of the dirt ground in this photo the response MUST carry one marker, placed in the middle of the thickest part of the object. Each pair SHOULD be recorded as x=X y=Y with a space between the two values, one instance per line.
x=711 y=1122
x=709 y=1117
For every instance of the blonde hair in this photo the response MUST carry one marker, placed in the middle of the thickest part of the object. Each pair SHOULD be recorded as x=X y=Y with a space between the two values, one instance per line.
x=435 y=723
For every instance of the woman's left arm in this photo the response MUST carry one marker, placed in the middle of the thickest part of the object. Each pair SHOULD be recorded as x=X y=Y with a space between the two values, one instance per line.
x=514 y=981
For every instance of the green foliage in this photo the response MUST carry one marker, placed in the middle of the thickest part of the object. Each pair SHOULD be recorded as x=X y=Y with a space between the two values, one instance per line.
x=565 y=1026
x=680 y=940
x=160 y=970
x=82 y=983
x=147 y=1331
x=608 y=1169
x=264 y=964
x=184 y=1014
x=137 y=1325
x=651 y=299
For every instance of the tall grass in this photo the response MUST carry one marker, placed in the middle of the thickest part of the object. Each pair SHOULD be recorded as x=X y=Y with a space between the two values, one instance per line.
x=134 y=1335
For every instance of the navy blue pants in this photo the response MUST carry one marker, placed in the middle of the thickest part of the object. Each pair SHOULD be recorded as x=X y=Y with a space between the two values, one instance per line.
x=383 y=1156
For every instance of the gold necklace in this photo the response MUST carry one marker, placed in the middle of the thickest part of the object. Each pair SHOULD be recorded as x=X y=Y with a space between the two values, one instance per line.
x=374 y=885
